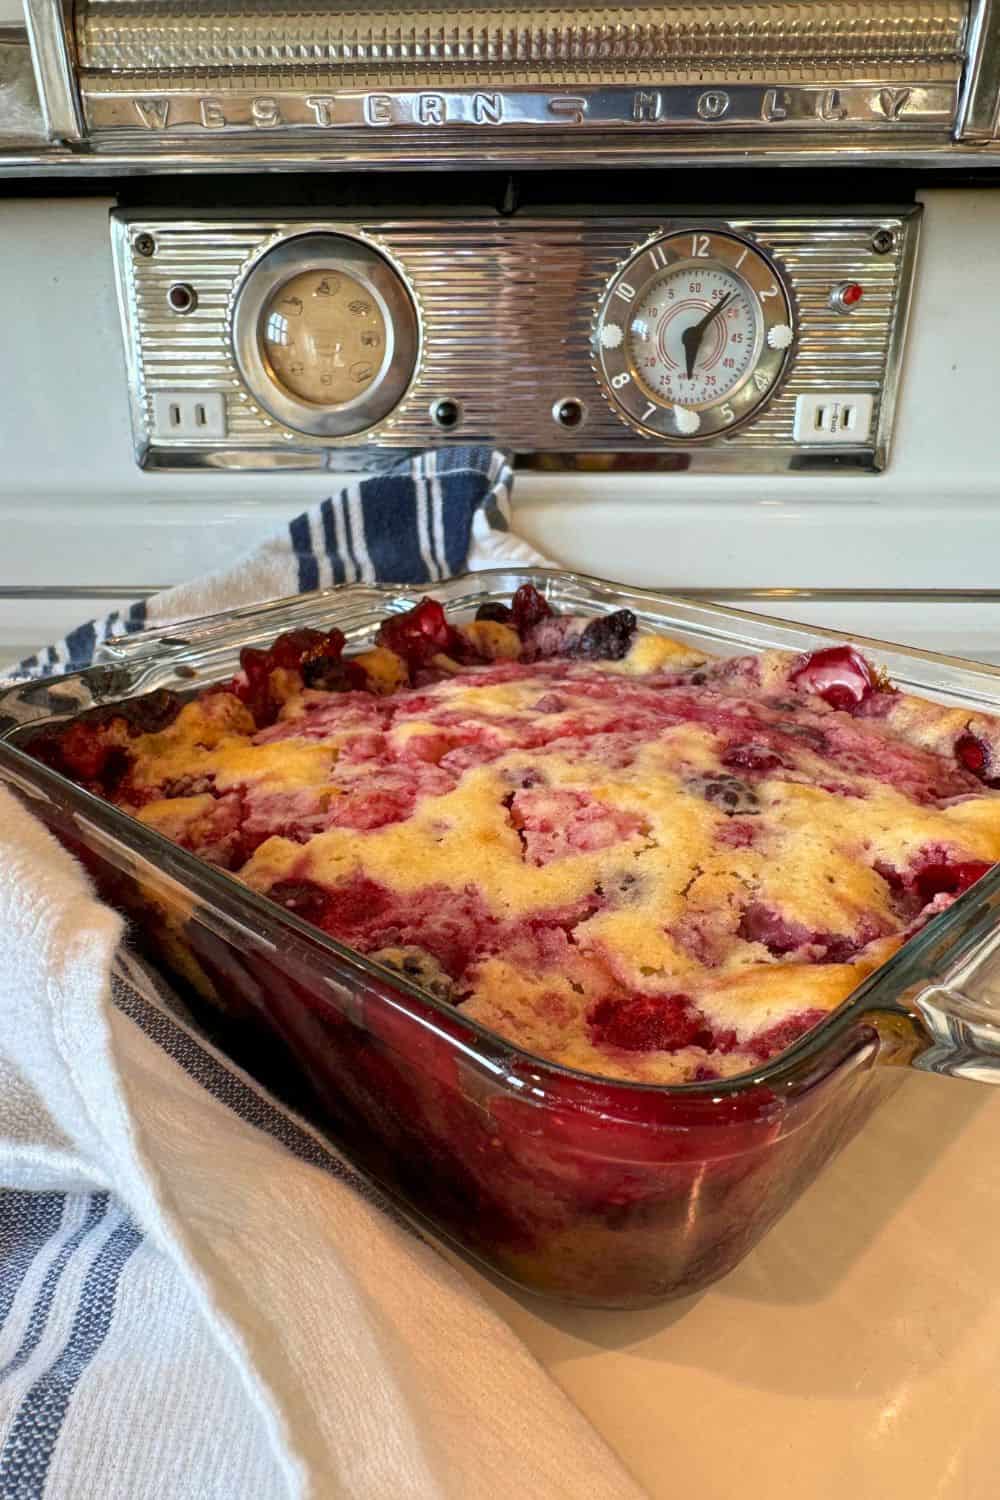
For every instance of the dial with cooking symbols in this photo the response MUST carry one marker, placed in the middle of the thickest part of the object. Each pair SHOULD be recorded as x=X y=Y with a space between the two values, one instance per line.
x=326 y=334
x=693 y=334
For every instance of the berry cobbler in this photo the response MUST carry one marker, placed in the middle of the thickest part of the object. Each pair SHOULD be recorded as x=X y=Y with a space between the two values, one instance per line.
x=612 y=851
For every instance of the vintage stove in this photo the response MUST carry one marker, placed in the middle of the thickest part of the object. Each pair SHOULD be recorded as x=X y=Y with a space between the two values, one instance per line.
x=723 y=277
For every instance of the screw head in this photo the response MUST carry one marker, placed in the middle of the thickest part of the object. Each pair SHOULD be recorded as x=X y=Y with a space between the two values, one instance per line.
x=882 y=241
x=144 y=244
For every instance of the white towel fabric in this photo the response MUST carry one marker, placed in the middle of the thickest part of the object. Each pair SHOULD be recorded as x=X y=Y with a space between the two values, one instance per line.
x=239 y=1319
x=199 y=1300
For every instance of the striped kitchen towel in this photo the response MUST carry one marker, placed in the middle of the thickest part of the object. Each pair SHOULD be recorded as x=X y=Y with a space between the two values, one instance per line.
x=427 y=517
x=199 y=1298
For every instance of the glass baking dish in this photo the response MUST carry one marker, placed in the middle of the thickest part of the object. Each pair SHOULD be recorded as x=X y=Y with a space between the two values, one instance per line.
x=584 y=1188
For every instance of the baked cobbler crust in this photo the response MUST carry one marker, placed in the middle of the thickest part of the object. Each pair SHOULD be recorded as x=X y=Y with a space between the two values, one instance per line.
x=610 y=850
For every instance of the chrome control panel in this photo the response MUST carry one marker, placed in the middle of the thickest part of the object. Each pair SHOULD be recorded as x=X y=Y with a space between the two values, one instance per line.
x=730 y=342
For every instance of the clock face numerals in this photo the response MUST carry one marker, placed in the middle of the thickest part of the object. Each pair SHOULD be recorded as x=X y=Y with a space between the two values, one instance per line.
x=693 y=335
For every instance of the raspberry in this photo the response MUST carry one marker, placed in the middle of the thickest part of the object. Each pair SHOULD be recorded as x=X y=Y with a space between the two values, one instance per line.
x=935 y=879
x=839 y=675
x=761 y=925
x=528 y=607
x=420 y=635
x=295 y=647
x=751 y=758
x=777 y=1038
x=303 y=897
x=975 y=755
x=648 y=1023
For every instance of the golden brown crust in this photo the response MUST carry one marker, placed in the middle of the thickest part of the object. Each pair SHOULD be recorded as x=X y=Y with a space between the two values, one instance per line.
x=583 y=801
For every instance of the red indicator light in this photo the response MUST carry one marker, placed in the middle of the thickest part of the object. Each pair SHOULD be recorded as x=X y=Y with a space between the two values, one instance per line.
x=846 y=295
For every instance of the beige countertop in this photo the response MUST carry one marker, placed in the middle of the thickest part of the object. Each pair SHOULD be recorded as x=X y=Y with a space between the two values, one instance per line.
x=855 y=1353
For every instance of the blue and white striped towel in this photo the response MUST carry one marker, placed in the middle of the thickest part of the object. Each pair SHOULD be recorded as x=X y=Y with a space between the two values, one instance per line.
x=428 y=517
x=199 y=1300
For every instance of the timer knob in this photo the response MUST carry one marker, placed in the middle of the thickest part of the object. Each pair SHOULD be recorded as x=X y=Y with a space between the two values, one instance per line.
x=779 y=337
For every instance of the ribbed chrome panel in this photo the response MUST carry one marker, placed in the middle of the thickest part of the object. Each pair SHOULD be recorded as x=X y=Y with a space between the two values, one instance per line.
x=282 y=43
x=507 y=308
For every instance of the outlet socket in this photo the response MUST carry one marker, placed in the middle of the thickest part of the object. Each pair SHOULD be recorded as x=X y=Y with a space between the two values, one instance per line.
x=833 y=417
x=189 y=414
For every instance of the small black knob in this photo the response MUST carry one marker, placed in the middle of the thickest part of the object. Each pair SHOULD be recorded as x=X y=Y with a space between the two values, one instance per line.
x=568 y=413
x=182 y=297
x=446 y=414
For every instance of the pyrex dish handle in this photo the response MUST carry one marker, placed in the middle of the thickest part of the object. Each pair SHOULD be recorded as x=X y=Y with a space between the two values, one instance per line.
x=936 y=1005
x=960 y=1017
x=245 y=622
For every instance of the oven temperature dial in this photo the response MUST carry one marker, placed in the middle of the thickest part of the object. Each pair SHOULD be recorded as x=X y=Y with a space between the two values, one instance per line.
x=325 y=333
x=692 y=335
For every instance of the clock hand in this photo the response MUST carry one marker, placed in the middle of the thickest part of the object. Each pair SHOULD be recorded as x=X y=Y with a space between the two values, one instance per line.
x=691 y=337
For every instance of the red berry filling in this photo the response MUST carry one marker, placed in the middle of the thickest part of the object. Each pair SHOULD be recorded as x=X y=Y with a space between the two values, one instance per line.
x=528 y=608
x=759 y=924
x=553 y=824
x=315 y=655
x=389 y=758
x=648 y=1023
x=752 y=758
x=839 y=675
x=90 y=752
x=776 y=1039
x=976 y=756
x=972 y=753
x=452 y=926
x=421 y=634
x=948 y=879
x=935 y=873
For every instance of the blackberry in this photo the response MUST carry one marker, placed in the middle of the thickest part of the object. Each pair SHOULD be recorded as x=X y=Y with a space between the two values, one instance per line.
x=332 y=675
x=500 y=613
x=152 y=712
x=727 y=793
x=608 y=637
x=419 y=966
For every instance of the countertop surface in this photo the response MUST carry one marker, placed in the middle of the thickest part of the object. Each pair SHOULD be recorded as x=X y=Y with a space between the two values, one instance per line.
x=855 y=1353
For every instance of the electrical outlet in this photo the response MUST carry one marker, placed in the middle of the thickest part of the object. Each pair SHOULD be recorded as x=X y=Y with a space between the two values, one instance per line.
x=832 y=417
x=189 y=414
